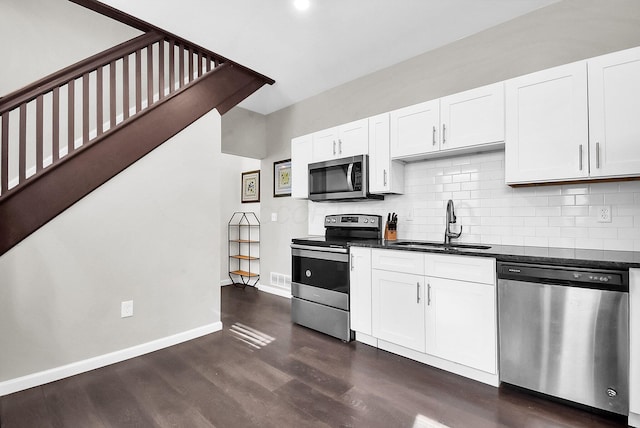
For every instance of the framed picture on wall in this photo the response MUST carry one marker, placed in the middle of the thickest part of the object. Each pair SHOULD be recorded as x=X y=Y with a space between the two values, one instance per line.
x=282 y=178
x=251 y=186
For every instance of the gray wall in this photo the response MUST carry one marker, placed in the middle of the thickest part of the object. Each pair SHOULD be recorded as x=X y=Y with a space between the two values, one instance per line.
x=561 y=33
x=151 y=234
x=243 y=133
x=44 y=36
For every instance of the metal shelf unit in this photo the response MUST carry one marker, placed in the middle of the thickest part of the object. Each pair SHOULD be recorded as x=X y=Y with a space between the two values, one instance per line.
x=244 y=238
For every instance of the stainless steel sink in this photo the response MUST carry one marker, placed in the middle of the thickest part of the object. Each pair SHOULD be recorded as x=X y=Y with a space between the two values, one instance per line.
x=437 y=245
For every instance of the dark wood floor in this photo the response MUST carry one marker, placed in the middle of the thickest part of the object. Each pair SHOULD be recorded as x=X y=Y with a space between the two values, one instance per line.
x=288 y=376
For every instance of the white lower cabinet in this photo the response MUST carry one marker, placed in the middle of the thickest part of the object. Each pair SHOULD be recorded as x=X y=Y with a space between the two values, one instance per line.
x=360 y=289
x=461 y=322
x=439 y=309
x=634 y=357
x=398 y=308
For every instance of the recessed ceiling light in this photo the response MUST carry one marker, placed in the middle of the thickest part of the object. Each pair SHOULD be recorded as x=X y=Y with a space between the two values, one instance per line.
x=301 y=4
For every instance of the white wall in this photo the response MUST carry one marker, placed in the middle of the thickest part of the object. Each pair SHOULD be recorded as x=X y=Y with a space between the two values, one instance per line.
x=44 y=36
x=491 y=212
x=151 y=235
x=558 y=34
x=231 y=169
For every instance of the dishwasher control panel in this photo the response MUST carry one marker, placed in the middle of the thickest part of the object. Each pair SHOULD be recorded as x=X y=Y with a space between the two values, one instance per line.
x=576 y=276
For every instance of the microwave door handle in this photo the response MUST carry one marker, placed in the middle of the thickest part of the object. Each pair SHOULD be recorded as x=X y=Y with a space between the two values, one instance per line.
x=349 y=179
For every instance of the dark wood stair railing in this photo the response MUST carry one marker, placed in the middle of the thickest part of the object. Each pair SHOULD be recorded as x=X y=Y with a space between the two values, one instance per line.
x=157 y=86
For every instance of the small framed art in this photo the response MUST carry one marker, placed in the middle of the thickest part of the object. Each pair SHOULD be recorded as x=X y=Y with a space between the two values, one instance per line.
x=251 y=186
x=282 y=178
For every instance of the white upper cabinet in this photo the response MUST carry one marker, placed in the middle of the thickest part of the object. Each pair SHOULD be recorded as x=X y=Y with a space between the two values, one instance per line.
x=414 y=130
x=472 y=117
x=547 y=125
x=342 y=141
x=300 y=159
x=614 y=114
x=466 y=121
x=385 y=175
x=575 y=122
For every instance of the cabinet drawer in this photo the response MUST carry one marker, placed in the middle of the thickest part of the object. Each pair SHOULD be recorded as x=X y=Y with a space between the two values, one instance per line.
x=463 y=268
x=398 y=261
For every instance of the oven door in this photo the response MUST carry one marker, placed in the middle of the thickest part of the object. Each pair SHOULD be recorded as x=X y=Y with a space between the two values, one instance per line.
x=320 y=275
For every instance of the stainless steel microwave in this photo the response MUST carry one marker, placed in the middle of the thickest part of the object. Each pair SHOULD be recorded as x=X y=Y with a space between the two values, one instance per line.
x=340 y=179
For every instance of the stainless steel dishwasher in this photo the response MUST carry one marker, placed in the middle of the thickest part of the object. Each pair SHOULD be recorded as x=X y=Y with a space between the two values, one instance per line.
x=564 y=332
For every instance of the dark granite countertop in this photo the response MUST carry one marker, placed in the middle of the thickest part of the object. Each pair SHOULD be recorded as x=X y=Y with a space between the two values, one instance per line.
x=595 y=259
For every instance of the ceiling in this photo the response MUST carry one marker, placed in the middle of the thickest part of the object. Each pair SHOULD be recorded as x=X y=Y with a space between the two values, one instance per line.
x=332 y=42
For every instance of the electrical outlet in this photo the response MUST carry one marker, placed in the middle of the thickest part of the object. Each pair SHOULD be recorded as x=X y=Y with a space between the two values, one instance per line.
x=274 y=216
x=604 y=214
x=126 y=309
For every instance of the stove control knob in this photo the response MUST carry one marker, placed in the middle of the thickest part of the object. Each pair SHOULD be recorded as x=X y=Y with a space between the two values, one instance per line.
x=366 y=220
x=333 y=220
x=328 y=220
x=308 y=273
x=605 y=279
x=373 y=220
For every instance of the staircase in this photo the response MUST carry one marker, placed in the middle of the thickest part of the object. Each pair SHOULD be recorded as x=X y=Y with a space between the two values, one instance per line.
x=65 y=135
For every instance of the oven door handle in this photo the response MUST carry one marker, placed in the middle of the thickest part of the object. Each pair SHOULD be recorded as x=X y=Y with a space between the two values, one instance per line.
x=323 y=249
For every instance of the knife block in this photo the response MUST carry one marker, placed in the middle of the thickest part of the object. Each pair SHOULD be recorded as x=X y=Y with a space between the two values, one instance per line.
x=390 y=234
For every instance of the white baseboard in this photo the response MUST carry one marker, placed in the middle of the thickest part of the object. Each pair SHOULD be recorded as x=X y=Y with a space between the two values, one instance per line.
x=57 y=373
x=275 y=290
x=634 y=419
x=225 y=282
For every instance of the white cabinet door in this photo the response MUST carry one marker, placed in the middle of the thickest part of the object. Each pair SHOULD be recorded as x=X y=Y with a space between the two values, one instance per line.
x=414 y=130
x=300 y=159
x=360 y=289
x=385 y=175
x=342 y=141
x=461 y=323
x=353 y=139
x=472 y=117
x=398 y=310
x=634 y=339
x=614 y=114
x=546 y=134
x=325 y=145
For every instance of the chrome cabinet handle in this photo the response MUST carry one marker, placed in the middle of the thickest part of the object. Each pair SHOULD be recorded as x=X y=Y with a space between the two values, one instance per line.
x=597 y=155
x=428 y=294
x=352 y=264
x=434 y=135
x=580 y=156
x=334 y=147
x=444 y=133
x=417 y=292
x=340 y=146
x=384 y=174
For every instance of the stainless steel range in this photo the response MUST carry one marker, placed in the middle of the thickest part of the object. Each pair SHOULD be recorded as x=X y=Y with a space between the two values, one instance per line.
x=320 y=273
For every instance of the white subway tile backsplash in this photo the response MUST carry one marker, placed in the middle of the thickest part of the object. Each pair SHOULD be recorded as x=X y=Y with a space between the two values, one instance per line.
x=493 y=213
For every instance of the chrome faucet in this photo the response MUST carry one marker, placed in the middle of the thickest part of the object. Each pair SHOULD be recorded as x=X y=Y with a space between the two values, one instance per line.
x=451 y=219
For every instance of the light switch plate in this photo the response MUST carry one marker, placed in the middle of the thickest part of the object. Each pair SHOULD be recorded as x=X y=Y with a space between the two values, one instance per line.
x=126 y=309
x=274 y=216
